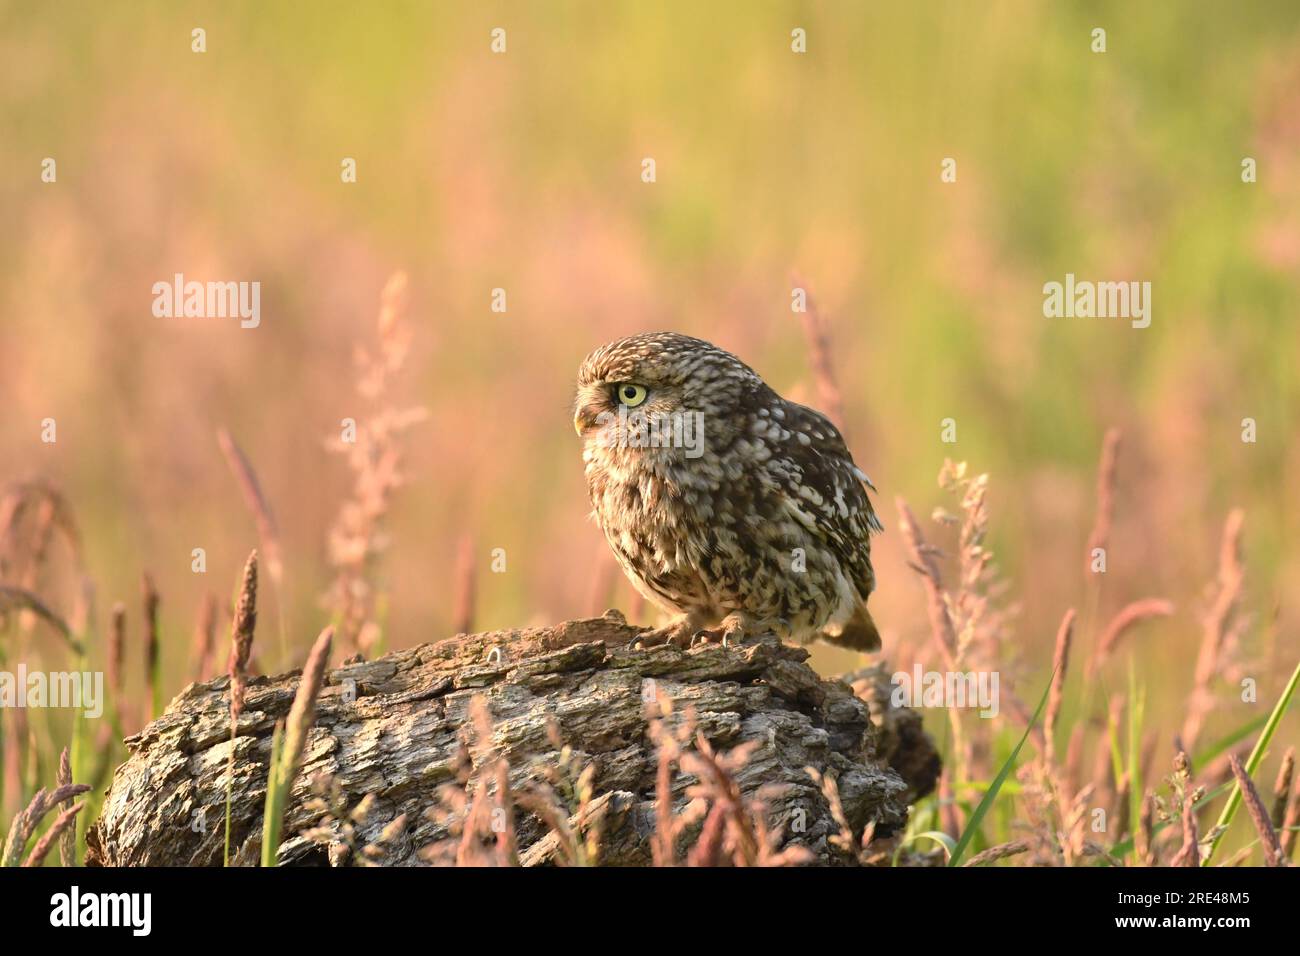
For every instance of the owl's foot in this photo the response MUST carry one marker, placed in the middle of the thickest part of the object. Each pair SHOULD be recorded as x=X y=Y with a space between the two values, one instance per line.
x=680 y=632
x=689 y=631
x=733 y=630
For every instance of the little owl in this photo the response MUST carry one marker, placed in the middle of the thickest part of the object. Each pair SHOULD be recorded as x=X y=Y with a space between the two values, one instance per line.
x=733 y=509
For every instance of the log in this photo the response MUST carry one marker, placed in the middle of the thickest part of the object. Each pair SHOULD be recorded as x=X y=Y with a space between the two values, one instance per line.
x=397 y=728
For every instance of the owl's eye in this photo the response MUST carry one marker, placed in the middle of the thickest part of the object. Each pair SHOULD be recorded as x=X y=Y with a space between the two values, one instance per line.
x=629 y=394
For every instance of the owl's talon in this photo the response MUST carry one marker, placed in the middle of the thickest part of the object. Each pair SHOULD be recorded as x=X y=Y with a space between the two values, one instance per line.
x=714 y=635
x=680 y=633
x=735 y=629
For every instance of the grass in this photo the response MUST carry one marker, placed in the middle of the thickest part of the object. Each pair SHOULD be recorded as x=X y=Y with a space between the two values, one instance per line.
x=995 y=786
x=241 y=649
x=1253 y=761
x=288 y=743
x=735 y=831
x=1028 y=811
x=927 y=292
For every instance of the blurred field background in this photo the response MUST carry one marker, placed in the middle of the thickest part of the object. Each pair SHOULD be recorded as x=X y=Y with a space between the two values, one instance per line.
x=522 y=171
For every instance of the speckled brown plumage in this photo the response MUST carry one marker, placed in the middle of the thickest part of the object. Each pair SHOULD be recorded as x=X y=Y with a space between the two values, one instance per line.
x=765 y=525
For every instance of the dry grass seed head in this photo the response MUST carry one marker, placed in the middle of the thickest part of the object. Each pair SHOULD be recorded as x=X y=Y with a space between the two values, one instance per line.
x=1273 y=855
x=241 y=637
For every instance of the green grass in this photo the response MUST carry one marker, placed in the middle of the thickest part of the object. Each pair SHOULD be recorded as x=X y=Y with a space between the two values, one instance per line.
x=277 y=793
x=991 y=795
x=1253 y=762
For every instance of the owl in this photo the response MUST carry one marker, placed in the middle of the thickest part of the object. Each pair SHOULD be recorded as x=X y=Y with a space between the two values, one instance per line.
x=732 y=509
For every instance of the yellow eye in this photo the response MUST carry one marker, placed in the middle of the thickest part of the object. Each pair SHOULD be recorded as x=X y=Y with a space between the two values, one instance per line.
x=629 y=394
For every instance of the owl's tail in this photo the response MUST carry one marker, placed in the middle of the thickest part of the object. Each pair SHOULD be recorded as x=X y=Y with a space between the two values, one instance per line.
x=859 y=632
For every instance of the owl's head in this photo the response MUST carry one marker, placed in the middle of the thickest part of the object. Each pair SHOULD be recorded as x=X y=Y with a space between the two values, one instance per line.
x=660 y=378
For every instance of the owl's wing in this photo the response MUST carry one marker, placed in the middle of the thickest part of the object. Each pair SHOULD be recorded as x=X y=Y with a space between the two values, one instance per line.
x=845 y=516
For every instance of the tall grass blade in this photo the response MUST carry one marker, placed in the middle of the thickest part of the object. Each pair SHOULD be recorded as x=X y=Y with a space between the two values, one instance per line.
x=271 y=809
x=1253 y=762
x=1205 y=756
x=1136 y=714
x=972 y=827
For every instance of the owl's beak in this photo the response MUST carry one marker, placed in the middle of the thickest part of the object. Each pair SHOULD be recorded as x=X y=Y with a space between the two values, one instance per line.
x=584 y=419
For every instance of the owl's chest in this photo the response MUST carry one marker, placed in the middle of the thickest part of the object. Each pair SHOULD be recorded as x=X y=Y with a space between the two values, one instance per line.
x=652 y=514
x=688 y=523
x=655 y=531
x=658 y=510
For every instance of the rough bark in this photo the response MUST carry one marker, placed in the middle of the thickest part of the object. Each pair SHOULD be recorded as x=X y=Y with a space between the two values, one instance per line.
x=395 y=728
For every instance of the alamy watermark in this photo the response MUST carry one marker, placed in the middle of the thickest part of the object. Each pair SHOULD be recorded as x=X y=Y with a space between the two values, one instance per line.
x=133 y=911
x=1101 y=300
x=208 y=300
x=77 y=690
x=632 y=429
x=947 y=689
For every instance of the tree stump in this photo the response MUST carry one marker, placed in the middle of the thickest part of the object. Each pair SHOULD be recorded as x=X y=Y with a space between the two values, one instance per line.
x=395 y=728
